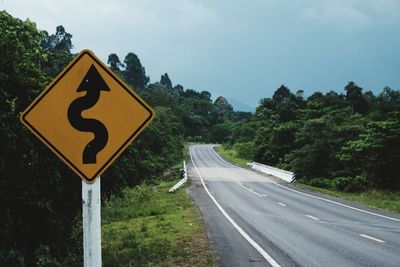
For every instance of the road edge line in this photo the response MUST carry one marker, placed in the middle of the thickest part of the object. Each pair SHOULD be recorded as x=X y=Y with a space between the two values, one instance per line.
x=316 y=197
x=253 y=243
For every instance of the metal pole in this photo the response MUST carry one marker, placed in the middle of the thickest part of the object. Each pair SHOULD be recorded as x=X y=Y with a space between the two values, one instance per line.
x=91 y=223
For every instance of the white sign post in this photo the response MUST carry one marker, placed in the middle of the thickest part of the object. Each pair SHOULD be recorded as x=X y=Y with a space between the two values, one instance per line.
x=91 y=223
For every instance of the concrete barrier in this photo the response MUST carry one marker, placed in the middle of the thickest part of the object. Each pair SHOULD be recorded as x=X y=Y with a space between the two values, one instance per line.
x=278 y=173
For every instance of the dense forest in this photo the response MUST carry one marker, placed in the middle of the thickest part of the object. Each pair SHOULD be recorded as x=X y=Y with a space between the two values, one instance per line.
x=347 y=141
x=40 y=198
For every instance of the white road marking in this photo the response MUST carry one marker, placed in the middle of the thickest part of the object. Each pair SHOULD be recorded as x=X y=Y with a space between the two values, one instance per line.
x=253 y=243
x=283 y=205
x=372 y=238
x=320 y=198
x=312 y=217
x=249 y=189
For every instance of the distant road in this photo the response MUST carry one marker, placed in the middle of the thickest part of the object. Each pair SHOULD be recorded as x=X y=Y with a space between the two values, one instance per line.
x=252 y=221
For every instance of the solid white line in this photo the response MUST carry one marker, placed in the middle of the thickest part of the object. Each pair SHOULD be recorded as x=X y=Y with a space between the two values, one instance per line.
x=372 y=238
x=320 y=198
x=283 y=205
x=312 y=217
x=253 y=243
x=337 y=203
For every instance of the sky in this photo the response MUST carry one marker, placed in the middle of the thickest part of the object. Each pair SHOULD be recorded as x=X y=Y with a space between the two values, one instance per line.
x=243 y=50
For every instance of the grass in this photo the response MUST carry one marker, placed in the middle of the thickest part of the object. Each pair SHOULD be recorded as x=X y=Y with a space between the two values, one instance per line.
x=147 y=226
x=389 y=201
x=231 y=156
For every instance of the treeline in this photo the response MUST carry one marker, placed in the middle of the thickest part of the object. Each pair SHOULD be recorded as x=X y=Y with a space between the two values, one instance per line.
x=348 y=141
x=40 y=198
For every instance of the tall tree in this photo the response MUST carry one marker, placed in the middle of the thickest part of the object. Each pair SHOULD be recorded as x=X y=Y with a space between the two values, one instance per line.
x=57 y=48
x=166 y=81
x=355 y=98
x=135 y=73
x=114 y=63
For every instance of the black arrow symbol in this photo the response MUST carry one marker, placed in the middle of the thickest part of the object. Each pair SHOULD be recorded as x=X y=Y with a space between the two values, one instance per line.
x=92 y=83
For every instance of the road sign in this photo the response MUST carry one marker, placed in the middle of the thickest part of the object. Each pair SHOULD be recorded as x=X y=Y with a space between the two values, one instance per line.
x=87 y=116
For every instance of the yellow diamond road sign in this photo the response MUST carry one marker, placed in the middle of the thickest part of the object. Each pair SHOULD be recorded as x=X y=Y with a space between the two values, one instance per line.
x=87 y=116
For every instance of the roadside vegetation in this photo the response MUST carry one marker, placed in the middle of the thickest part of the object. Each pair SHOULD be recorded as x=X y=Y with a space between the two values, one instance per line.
x=231 y=155
x=381 y=199
x=147 y=226
x=40 y=197
x=342 y=142
x=385 y=200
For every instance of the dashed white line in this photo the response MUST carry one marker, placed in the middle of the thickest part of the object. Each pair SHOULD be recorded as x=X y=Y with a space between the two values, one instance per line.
x=283 y=205
x=312 y=217
x=320 y=198
x=249 y=189
x=253 y=243
x=372 y=238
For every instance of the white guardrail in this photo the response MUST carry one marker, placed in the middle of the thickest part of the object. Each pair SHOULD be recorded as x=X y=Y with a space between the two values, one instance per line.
x=278 y=173
x=182 y=181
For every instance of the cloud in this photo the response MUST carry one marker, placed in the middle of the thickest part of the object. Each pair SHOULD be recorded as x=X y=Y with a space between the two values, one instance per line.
x=351 y=15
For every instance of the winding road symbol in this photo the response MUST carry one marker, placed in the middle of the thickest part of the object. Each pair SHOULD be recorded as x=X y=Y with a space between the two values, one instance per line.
x=87 y=116
x=93 y=84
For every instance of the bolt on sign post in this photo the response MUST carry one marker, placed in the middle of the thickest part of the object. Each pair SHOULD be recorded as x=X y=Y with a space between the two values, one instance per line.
x=87 y=116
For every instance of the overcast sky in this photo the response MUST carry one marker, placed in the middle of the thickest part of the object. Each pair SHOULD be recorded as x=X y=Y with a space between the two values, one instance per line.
x=239 y=49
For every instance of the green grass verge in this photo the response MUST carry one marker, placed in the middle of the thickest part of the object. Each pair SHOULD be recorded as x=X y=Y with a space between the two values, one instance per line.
x=389 y=201
x=231 y=156
x=147 y=226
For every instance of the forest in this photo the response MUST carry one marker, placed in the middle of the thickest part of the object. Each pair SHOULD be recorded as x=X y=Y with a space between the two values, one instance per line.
x=344 y=141
x=40 y=197
x=348 y=141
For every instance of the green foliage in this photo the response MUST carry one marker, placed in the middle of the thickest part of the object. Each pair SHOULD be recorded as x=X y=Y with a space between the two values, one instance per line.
x=134 y=73
x=387 y=200
x=37 y=223
x=376 y=152
x=244 y=150
x=146 y=225
x=347 y=142
x=32 y=183
x=231 y=155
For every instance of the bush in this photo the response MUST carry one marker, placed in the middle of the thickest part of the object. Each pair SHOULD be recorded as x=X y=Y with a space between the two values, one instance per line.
x=318 y=182
x=341 y=183
x=359 y=184
x=244 y=150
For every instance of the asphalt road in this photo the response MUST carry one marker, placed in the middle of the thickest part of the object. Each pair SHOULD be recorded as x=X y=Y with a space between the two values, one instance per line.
x=253 y=221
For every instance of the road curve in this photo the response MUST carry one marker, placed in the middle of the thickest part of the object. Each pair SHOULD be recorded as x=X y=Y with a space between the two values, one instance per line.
x=252 y=221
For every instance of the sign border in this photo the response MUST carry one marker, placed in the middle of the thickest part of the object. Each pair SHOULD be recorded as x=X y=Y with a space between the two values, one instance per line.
x=54 y=82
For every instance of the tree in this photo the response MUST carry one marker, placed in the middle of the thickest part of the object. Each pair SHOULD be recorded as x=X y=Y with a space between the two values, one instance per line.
x=61 y=40
x=165 y=80
x=355 y=98
x=57 y=51
x=223 y=110
x=114 y=63
x=134 y=73
x=375 y=153
x=205 y=95
x=282 y=94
